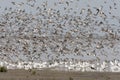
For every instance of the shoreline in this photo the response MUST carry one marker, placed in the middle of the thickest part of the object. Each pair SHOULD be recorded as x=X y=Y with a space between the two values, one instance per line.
x=21 y=74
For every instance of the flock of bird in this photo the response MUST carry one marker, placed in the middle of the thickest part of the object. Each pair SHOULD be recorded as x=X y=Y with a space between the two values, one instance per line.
x=52 y=35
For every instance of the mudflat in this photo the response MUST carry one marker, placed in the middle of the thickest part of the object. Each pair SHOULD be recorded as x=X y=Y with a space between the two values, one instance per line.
x=57 y=75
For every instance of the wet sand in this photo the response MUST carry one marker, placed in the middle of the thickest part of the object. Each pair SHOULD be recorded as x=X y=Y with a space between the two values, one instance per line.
x=57 y=75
